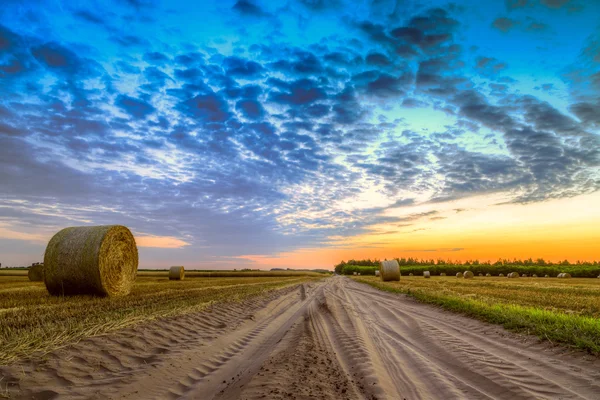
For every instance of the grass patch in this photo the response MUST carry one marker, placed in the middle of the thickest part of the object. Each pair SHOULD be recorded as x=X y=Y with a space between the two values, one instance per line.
x=34 y=321
x=558 y=311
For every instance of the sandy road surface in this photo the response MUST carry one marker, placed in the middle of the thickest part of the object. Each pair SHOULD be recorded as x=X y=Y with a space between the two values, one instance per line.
x=336 y=339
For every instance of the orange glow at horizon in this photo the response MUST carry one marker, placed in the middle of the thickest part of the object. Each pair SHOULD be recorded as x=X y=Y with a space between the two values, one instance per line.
x=554 y=230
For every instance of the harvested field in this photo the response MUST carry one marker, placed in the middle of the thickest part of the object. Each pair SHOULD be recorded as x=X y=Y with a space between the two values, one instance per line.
x=326 y=339
x=34 y=321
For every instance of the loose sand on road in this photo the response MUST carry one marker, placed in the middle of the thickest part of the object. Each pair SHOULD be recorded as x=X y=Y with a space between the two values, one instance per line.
x=332 y=339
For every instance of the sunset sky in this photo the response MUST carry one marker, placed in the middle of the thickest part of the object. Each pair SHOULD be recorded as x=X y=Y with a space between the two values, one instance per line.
x=297 y=133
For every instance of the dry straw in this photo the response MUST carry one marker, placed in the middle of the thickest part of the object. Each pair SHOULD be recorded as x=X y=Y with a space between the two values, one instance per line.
x=176 y=273
x=390 y=270
x=426 y=274
x=100 y=260
x=36 y=273
x=468 y=275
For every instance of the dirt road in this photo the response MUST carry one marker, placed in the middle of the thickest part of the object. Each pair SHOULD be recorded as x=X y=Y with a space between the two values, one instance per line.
x=336 y=339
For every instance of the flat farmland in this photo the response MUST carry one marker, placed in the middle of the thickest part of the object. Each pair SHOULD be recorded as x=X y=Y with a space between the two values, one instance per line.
x=33 y=321
x=559 y=310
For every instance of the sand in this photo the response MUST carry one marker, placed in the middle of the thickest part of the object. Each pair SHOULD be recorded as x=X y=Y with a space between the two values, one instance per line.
x=336 y=339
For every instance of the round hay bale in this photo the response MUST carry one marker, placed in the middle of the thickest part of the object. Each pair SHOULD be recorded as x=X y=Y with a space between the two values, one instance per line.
x=390 y=270
x=426 y=274
x=359 y=274
x=500 y=274
x=176 y=273
x=100 y=260
x=468 y=275
x=488 y=274
x=480 y=274
x=459 y=275
x=36 y=273
x=444 y=274
x=411 y=274
x=546 y=276
x=534 y=276
x=564 y=275
x=377 y=273
x=513 y=275
x=524 y=275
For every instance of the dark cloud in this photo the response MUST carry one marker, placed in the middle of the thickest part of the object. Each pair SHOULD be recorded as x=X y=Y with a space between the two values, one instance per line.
x=134 y=107
x=588 y=113
x=156 y=58
x=251 y=109
x=240 y=68
x=247 y=8
x=300 y=92
x=504 y=24
x=207 y=108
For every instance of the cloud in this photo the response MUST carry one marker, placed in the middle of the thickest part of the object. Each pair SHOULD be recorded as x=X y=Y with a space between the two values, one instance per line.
x=504 y=24
x=134 y=107
x=162 y=242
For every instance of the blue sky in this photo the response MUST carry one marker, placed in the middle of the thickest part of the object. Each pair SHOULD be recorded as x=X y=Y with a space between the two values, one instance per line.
x=219 y=130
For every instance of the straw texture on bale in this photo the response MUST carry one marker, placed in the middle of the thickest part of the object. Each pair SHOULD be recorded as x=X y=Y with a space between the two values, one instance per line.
x=459 y=275
x=426 y=274
x=36 y=273
x=100 y=260
x=468 y=275
x=513 y=275
x=390 y=270
x=176 y=273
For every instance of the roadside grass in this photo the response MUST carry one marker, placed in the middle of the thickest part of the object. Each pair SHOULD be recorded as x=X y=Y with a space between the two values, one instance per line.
x=561 y=311
x=33 y=321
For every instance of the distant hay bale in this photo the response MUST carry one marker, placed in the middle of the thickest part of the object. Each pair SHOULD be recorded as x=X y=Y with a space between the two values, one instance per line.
x=524 y=275
x=548 y=276
x=500 y=274
x=426 y=274
x=480 y=274
x=390 y=270
x=100 y=260
x=459 y=275
x=444 y=274
x=377 y=273
x=513 y=275
x=468 y=275
x=36 y=273
x=354 y=273
x=176 y=273
x=534 y=276
x=358 y=274
x=488 y=274
x=564 y=275
x=411 y=274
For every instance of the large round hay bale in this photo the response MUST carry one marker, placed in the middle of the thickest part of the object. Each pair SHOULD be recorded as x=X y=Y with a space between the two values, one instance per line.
x=426 y=274
x=513 y=275
x=100 y=260
x=468 y=275
x=459 y=275
x=176 y=273
x=36 y=273
x=444 y=274
x=390 y=270
x=488 y=274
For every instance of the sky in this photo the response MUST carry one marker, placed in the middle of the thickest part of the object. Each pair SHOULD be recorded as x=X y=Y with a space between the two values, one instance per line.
x=297 y=133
